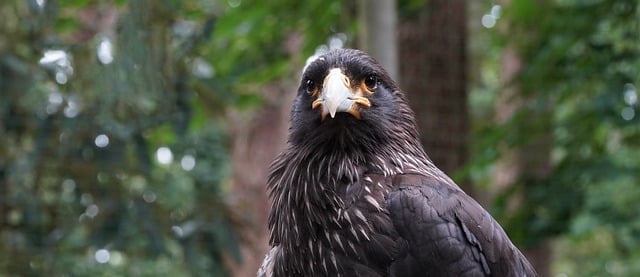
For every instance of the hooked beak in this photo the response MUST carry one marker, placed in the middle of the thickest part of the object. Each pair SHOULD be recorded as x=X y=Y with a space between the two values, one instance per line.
x=339 y=96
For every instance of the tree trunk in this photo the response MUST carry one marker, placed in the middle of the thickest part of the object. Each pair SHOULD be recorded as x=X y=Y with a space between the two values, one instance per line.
x=378 y=32
x=258 y=136
x=257 y=139
x=434 y=75
x=530 y=161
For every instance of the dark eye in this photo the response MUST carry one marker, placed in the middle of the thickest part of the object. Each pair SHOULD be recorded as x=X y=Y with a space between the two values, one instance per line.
x=309 y=86
x=371 y=82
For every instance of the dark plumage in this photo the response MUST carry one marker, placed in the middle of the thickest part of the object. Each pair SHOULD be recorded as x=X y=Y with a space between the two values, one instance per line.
x=354 y=193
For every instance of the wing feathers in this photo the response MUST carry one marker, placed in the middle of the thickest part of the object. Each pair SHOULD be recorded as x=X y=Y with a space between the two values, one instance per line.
x=449 y=233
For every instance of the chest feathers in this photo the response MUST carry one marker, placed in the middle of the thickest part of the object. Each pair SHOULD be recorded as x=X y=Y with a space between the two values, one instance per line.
x=330 y=218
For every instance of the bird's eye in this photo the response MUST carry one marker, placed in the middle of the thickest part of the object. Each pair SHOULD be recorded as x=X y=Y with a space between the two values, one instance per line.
x=371 y=82
x=309 y=86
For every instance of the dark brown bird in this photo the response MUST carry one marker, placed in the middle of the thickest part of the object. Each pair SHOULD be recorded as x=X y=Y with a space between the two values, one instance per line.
x=354 y=193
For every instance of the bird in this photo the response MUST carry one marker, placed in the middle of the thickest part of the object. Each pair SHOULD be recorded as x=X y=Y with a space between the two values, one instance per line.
x=353 y=193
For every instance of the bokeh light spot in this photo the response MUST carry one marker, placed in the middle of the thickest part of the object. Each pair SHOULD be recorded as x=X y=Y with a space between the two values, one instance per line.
x=630 y=94
x=105 y=51
x=202 y=69
x=177 y=230
x=188 y=162
x=234 y=3
x=68 y=185
x=73 y=107
x=92 y=211
x=102 y=256
x=149 y=197
x=488 y=21
x=628 y=113
x=40 y=3
x=496 y=11
x=55 y=101
x=101 y=140
x=116 y=258
x=61 y=78
x=52 y=56
x=164 y=155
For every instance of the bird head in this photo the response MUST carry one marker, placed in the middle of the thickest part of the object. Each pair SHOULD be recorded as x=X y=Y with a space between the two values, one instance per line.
x=348 y=100
x=338 y=95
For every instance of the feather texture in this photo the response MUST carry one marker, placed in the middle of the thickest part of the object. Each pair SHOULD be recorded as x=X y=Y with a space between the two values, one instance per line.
x=358 y=196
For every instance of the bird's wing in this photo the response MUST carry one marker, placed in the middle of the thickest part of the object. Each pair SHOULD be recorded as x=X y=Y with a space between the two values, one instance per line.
x=448 y=233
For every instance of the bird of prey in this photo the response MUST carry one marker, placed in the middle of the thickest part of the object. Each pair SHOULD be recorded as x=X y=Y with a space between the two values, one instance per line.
x=354 y=193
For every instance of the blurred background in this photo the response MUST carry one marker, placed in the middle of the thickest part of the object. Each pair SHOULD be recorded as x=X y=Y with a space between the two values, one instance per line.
x=135 y=135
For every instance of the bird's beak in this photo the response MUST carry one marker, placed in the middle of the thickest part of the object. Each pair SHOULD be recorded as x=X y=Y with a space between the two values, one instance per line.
x=339 y=96
x=336 y=93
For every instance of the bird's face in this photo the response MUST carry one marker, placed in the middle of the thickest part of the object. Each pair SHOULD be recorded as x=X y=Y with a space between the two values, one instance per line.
x=338 y=94
x=344 y=96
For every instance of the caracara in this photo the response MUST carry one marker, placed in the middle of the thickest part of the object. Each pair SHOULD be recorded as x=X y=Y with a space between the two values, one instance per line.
x=354 y=193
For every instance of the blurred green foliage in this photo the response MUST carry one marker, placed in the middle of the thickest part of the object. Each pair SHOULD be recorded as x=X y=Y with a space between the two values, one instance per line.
x=87 y=186
x=113 y=158
x=581 y=68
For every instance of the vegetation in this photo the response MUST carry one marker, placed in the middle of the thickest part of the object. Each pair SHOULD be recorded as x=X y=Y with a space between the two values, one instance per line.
x=114 y=154
x=581 y=62
x=114 y=144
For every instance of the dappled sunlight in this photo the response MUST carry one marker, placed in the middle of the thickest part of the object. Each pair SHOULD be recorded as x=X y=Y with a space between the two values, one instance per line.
x=101 y=141
x=105 y=50
x=335 y=41
x=631 y=99
x=188 y=162
x=102 y=256
x=489 y=19
x=164 y=155
x=60 y=63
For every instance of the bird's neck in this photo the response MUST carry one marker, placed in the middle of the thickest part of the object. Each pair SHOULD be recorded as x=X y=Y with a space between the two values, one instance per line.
x=311 y=190
x=310 y=180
